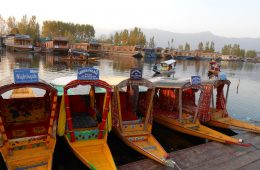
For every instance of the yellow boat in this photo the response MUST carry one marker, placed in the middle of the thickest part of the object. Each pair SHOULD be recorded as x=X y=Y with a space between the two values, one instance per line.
x=219 y=116
x=175 y=107
x=28 y=125
x=85 y=117
x=132 y=119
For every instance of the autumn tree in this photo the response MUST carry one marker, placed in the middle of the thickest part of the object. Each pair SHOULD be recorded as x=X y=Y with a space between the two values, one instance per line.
x=2 y=26
x=74 y=32
x=124 y=37
x=117 y=39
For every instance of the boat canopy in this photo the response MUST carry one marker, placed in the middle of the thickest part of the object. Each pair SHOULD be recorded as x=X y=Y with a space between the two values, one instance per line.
x=8 y=84
x=168 y=62
x=142 y=82
x=167 y=82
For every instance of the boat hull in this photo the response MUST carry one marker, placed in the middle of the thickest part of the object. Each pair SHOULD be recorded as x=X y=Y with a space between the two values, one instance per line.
x=231 y=123
x=149 y=147
x=196 y=129
x=95 y=153
x=39 y=158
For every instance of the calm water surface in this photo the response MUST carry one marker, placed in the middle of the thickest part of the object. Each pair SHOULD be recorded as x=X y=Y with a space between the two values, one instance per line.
x=242 y=104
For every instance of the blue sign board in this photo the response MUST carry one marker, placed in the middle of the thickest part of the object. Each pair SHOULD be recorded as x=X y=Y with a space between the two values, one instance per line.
x=28 y=75
x=222 y=76
x=195 y=80
x=88 y=73
x=136 y=74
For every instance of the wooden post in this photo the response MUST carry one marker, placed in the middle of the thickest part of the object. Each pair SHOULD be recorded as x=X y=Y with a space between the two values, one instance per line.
x=180 y=105
x=116 y=91
x=68 y=116
x=227 y=93
x=105 y=113
x=53 y=111
x=149 y=109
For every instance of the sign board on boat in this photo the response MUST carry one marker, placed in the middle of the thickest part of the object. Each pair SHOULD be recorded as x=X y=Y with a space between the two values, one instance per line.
x=136 y=74
x=195 y=80
x=88 y=73
x=28 y=75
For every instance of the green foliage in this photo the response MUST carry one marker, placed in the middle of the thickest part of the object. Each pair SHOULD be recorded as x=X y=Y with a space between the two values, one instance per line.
x=187 y=47
x=207 y=47
x=233 y=50
x=251 y=54
x=73 y=32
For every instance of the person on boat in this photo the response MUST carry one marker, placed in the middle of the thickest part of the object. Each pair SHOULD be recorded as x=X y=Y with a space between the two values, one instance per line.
x=214 y=68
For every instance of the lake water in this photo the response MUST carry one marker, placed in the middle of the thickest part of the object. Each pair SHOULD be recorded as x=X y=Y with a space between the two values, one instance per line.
x=243 y=103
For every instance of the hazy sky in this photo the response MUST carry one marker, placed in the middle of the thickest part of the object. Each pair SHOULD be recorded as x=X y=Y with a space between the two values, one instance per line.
x=230 y=18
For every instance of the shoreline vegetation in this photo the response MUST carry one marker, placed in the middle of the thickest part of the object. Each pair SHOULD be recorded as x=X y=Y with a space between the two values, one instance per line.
x=85 y=33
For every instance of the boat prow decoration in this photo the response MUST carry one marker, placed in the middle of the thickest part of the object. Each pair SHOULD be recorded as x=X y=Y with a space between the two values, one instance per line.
x=175 y=107
x=219 y=116
x=132 y=118
x=86 y=117
x=28 y=125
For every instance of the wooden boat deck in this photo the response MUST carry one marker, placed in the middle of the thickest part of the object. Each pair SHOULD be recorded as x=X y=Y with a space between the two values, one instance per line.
x=212 y=155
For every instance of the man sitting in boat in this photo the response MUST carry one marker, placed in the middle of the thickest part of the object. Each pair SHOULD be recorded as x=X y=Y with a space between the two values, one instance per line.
x=214 y=69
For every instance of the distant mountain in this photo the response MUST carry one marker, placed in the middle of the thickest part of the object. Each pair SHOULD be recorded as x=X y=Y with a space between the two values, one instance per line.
x=162 y=37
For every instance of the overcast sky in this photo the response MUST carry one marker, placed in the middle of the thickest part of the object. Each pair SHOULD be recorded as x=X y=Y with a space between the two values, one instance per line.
x=230 y=18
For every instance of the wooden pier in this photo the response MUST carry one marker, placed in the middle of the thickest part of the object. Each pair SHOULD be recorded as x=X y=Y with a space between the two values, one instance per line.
x=211 y=155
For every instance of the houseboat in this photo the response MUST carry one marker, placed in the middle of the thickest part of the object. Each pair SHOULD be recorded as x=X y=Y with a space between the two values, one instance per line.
x=83 y=119
x=132 y=117
x=217 y=114
x=149 y=52
x=176 y=107
x=27 y=121
x=19 y=43
x=57 y=44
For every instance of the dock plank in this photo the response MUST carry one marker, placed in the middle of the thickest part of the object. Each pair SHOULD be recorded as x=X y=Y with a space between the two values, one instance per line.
x=210 y=155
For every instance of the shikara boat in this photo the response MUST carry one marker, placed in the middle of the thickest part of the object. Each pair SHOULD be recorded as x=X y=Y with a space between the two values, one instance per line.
x=132 y=119
x=165 y=68
x=28 y=125
x=177 y=104
x=218 y=114
x=83 y=121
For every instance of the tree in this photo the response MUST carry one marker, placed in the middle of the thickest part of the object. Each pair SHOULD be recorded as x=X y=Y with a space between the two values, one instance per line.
x=116 y=39
x=152 y=43
x=12 y=25
x=200 y=46
x=2 y=26
x=242 y=53
x=74 y=32
x=124 y=37
x=180 y=47
x=136 y=37
x=212 y=48
x=207 y=46
x=187 y=47
x=251 y=54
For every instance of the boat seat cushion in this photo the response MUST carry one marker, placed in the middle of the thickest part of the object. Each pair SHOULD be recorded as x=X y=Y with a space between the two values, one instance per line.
x=83 y=120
